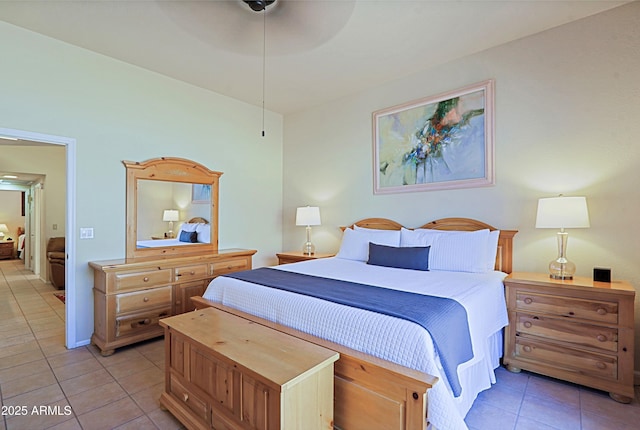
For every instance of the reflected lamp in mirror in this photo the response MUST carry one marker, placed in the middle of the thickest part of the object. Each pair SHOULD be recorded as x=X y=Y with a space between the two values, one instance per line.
x=562 y=212
x=308 y=216
x=3 y=229
x=170 y=215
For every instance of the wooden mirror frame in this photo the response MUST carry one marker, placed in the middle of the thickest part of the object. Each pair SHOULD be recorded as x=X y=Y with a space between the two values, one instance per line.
x=169 y=169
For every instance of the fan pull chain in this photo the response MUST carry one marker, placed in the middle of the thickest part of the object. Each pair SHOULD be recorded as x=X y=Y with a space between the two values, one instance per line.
x=264 y=59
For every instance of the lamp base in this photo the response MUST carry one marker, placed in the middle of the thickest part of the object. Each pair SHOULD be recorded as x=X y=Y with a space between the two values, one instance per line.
x=562 y=269
x=308 y=248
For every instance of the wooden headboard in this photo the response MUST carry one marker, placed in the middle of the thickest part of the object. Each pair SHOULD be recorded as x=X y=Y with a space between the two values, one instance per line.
x=198 y=220
x=504 y=257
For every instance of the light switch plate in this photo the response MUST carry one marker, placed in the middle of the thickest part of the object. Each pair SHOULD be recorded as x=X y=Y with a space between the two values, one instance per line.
x=86 y=232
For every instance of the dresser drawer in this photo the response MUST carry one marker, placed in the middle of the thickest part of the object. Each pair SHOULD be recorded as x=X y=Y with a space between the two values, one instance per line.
x=141 y=300
x=145 y=279
x=188 y=273
x=565 y=358
x=187 y=398
x=140 y=323
x=230 y=266
x=599 y=311
x=565 y=330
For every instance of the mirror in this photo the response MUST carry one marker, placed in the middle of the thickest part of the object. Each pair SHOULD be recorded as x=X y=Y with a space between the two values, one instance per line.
x=172 y=208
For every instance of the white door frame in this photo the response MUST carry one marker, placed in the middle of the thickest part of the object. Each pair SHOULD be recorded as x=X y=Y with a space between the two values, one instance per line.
x=70 y=225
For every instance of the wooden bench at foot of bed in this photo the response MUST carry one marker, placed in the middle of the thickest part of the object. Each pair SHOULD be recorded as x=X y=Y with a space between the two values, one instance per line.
x=368 y=392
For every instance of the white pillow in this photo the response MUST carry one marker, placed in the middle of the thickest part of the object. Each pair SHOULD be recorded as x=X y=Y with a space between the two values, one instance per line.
x=204 y=233
x=492 y=249
x=418 y=237
x=188 y=227
x=464 y=252
x=426 y=237
x=355 y=243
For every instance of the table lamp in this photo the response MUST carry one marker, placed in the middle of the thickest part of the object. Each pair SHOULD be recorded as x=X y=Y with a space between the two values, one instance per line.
x=3 y=229
x=308 y=216
x=562 y=212
x=170 y=215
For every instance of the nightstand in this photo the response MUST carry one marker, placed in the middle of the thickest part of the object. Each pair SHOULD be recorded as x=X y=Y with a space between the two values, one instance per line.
x=576 y=330
x=295 y=256
x=6 y=249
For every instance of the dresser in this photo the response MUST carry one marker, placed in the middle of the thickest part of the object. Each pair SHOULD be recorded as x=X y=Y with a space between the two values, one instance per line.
x=576 y=330
x=226 y=372
x=6 y=249
x=132 y=295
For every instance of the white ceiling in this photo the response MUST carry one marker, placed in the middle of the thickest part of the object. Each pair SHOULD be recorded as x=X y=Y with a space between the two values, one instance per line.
x=316 y=50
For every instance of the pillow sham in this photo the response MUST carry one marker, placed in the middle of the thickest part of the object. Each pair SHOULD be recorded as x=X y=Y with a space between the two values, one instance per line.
x=460 y=252
x=355 y=243
x=189 y=227
x=408 y=257
x=188 y=236
x=204 y=233
x=425 y=237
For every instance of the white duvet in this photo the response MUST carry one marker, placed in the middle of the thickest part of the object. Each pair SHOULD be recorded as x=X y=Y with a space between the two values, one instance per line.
x=390 y=338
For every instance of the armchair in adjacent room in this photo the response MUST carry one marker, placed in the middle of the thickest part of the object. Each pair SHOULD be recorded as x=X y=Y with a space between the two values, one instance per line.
x=56 y=256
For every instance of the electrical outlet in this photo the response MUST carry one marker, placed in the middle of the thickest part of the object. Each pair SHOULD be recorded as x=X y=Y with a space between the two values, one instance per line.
x=55 y=226
x=86 y=232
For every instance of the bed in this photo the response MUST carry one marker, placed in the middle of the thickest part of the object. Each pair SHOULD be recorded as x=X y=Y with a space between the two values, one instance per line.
x=376 y=347
x=196 y=230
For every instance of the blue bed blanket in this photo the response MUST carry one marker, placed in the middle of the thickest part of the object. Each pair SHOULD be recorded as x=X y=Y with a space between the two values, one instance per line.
x=445 y=319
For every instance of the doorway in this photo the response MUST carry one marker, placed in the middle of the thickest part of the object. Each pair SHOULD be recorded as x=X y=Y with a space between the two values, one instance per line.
x=70 y=247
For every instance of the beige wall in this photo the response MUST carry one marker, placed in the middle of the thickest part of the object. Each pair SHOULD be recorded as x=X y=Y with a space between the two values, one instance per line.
x=567 y=109
x=120 y=112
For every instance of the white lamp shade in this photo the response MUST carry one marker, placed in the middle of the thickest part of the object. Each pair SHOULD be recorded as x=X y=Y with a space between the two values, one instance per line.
x=562 y=212
x=308 y=215
x=170 y=215
x=4 y=228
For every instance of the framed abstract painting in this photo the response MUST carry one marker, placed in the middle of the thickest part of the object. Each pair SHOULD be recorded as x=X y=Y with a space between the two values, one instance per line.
x=435 y=143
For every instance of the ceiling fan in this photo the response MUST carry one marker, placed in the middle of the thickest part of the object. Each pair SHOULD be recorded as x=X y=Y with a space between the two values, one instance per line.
x=292 y=26
x=259 y=5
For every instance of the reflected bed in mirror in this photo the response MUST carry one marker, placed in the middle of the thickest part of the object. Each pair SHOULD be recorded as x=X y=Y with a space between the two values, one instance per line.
x=172 y=208
x=196 y=230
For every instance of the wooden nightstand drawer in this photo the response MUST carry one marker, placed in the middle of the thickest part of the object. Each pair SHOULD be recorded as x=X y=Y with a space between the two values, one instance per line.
x=140 y=323
x=146 y=279
x=187 y=273
x=141 y=300
x=569 y=359
x=568 y=331
x=599 y=311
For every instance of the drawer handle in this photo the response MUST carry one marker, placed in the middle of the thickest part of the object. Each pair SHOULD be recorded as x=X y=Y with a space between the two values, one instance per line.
x=140 y=323
x=601 y=311
x=601 y=337
x=178 y=275
x=185 y=396
x=601 y=365
x=146 y=299
x=527 y=348
x=528 y=300
x=193 y=272
x=146 y=279
x=527 y=324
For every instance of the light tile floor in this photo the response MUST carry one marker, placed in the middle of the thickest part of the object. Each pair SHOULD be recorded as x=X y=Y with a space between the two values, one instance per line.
x=122 y=391
x=81 y=389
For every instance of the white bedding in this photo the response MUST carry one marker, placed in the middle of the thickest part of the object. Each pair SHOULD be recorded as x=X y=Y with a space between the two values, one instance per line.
x=390 y=338
x=160 y=243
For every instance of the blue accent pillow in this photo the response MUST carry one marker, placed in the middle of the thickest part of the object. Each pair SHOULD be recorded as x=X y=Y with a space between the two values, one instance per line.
x=188 y=236
x=409 y=257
